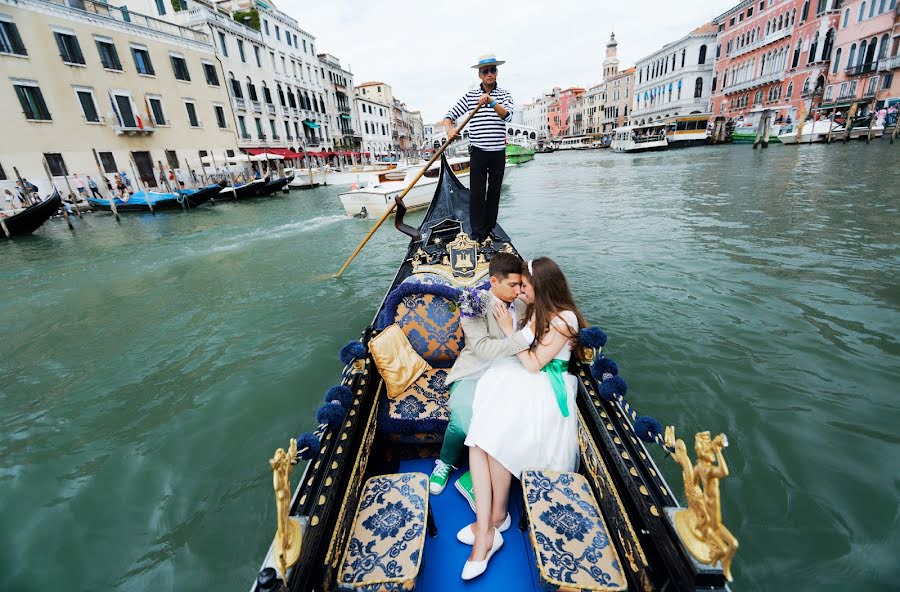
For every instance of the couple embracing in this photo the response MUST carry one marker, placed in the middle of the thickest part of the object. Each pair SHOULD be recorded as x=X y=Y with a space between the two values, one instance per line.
x=512 y=400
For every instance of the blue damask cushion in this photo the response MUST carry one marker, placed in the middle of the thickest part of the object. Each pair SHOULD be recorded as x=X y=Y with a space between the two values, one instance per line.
x=569 y=537
x=431 y=324
x=385 y=549
x=420 y=414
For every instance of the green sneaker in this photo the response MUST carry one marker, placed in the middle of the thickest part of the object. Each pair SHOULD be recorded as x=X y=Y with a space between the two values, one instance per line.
x=439 y=477
x=464 y=486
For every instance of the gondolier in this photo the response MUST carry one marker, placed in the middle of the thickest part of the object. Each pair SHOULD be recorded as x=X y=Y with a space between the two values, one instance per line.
x=487 y=143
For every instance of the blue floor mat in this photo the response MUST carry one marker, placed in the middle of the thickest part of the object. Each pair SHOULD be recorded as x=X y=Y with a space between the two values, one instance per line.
x=511 y=569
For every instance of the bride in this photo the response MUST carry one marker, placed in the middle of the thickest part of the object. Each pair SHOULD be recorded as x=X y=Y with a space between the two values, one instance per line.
x=523 y=414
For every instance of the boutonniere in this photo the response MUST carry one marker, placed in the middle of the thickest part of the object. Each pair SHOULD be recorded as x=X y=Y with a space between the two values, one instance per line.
x=472 y=302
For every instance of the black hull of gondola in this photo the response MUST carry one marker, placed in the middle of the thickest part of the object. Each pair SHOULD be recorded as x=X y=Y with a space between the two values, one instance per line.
x=201 y=196
x=32 y=218
x=274 y=186
x=243 y=192
x=633 y=496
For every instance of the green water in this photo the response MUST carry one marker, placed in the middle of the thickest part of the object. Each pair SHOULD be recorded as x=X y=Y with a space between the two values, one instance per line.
x=150 y=369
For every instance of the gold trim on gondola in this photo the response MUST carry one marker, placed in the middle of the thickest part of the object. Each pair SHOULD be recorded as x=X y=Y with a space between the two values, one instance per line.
x=700 y=524
x=288 y=536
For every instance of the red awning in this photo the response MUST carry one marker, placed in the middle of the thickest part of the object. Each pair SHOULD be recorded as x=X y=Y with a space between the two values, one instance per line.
x=255 y=151
x=285 y=152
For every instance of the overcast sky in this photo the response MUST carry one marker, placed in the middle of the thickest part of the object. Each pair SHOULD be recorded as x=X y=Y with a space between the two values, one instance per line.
x=424 y=50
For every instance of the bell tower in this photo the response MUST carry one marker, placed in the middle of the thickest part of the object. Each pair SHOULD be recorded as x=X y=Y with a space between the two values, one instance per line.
x=611 y=63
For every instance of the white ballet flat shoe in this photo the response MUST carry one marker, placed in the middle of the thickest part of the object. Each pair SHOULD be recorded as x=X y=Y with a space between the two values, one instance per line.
x=473 y=569
x=467 y=537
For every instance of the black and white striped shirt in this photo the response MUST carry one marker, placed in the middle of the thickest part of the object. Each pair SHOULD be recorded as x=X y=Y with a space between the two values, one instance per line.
x=487 y=130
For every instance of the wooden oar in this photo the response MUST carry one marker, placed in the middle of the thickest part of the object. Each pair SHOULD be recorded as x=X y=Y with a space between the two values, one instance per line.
x=405 y=191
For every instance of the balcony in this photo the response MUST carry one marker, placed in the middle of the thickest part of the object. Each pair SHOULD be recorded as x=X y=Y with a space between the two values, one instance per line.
x=344 y=109
x=770 y=38
x=134 y=130
x=887 y=64
x=816 y=92
x=239 y=103
x=201 y=15
x=123 y=15
x=761 y=81
x=270 y=108
x=257 y=106
x=861 y=69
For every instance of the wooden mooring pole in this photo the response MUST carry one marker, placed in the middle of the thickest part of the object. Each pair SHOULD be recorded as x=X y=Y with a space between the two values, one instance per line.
x=111 y=197
x=53 y=185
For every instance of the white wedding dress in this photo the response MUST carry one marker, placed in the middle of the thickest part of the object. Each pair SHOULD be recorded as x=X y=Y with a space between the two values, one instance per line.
x=516 y=417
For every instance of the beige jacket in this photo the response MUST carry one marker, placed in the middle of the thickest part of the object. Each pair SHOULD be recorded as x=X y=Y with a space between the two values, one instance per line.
x=485 y=342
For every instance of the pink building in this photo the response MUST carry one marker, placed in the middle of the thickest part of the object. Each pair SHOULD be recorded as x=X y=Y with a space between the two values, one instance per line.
x=773 y=54
x=867 y=56
x=560 y=112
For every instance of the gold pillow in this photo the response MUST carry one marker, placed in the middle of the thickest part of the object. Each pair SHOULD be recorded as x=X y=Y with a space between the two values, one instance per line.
x=397 y=361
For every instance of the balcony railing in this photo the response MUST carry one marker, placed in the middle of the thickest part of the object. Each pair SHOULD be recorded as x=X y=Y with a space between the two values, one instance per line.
x=270 y=108
x=770 y=38
x=861 y=69
x=762 y=80
x=133 y=130
x=816 y=92
x=201 y=15
x=887 y=64
x=239 y=103
x=123 y=15
x=344 y=109
x=257 y=106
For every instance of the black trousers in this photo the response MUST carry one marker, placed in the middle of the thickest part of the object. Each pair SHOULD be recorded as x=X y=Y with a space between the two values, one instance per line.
x=95 y=192
x=485 y=179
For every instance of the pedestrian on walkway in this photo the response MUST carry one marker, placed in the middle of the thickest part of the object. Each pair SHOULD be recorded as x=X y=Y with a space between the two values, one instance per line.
x=487 y=144
x=179 y=174
x=95 y=190
x=79 y=186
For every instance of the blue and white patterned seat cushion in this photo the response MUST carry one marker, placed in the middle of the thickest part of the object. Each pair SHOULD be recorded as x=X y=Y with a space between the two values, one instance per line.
x=419 y=415
x=571 y=544
x=385 y=549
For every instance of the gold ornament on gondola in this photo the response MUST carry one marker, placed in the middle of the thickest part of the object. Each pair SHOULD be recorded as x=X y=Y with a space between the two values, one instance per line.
x=700 y=524
x=288 y=536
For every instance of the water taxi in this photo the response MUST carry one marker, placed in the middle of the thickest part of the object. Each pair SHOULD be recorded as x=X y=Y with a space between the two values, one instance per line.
x=361 y=517
x=575 y=143
x=688 y=130
x=640 y=138
x=377 y=194
x=809 y=132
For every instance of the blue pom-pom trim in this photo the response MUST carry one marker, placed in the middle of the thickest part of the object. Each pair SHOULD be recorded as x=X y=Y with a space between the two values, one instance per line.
x=611 y=386
x=330 y=414
x=342 y=394
x=603 y=366
x=647 y=428
x=352 y=351
x=311 y=443
x=592 y=337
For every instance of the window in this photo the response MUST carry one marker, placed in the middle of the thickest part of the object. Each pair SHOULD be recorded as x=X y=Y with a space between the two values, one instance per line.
x=852 y=55
x=837 y=61
x=698 y=88
x=57 y=164
x=243 y=125
x=251 y=90
x=220 y=116
x=304 y=46
x=109 y=57
x=267 y=94
x=32 y=101
x=108 y=162
x=235 y=87
x=887 y=81
x=125 y=110
x=142 y=60
x=272 y=125
x=192 y=113
x=266 y=26
x=702 y=58
x=161 y=7
x=156 y=110
x=805 y=12
x=10 y=40
x=862 y=11
x=277 y=33
x=256 y=55
x=241 y=50
x=223 y=44
x=69 y=49
x=179 y=66
x=172 y=159
x=259 y=130
x=88 y=105
x=212 y=77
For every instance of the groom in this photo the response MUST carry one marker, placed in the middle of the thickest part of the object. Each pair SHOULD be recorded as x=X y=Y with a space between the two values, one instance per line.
x=484 y=343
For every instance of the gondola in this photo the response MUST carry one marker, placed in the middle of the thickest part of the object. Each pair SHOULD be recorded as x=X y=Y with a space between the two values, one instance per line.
x=32 y=217
x=275 y=185
x=361 y=517
x=140 y=201
x=196 y=197
x=250 y=189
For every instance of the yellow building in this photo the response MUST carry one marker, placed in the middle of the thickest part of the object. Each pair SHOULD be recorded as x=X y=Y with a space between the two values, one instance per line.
x=86 y=86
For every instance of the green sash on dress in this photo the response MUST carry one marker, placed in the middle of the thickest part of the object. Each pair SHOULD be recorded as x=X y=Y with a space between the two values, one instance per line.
x=556 y=370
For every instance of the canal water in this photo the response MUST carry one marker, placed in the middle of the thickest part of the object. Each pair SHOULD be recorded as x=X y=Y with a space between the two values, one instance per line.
x=149 y=369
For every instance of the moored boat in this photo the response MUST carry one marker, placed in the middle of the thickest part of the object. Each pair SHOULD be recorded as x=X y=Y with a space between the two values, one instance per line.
x=28 y=220
x=377 y=196
x=809 y=132
x=687 y=130
x=250 y=189
x=274 y=185
x=362 y=517
x=140 y=201
x=645 y=138
x=516 y=154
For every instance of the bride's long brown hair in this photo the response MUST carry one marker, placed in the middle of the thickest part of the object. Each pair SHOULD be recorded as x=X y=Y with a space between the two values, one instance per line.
x=551 y=297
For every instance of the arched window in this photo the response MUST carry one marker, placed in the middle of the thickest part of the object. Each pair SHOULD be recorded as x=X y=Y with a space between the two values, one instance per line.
x=872 y=9
x=698 y=88
x=235 y=86
x=267 y=95
x=829 y=45
x=804 y=14
x=251 y=90
x=322 y=104
x=882 y=53
x=768 y=24
x=851 y=57
x=291 y=101
x=837 y=61
x=862 y=53
x=781 y=19
x=762 y=65
x=757 y=98
x=870 y=56
x=280 y=96
x=881 y=7
x=790 y=90
x=846 y=18
x=812 y=48
x=702 y=58
x=862 y=12
x=793 y=17
x=797 y=51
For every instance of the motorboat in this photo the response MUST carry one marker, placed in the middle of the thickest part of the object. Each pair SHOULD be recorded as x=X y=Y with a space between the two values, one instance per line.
x=640 y=138
x=809 y=132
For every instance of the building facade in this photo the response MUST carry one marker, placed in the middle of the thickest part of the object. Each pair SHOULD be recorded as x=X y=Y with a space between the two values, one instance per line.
x=347 y=138
x=676 y=79
x=535 y=114
x=866 y=56
x=118 y=92
x=377 y=132
x=564 y=115
x=618 y=88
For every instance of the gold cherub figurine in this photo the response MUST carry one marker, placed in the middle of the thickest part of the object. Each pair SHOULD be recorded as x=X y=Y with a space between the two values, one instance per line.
x=288 y=535
x=700 y=524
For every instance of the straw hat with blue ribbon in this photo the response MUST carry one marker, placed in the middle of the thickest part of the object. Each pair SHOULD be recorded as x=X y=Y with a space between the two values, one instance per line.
x=488 y=60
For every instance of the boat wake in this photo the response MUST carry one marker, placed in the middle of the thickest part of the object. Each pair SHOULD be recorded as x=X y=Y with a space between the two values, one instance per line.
x=245 y=239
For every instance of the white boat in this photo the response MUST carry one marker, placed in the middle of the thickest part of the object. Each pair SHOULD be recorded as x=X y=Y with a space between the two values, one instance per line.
x=377 y=195
x=301 y=178
x=687 y=130
x=639 y=138
x=862 y=131
x=810 y=132
x=356 y=174
x=576 y=143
